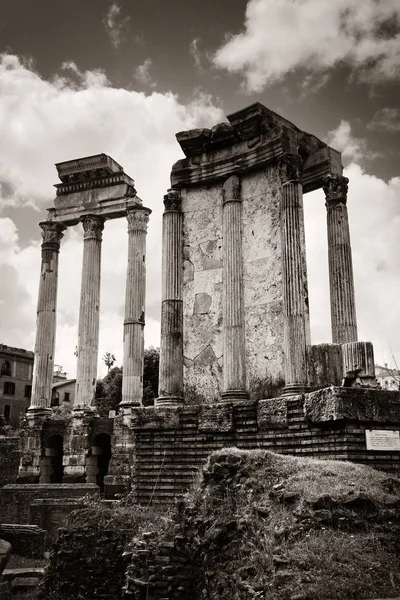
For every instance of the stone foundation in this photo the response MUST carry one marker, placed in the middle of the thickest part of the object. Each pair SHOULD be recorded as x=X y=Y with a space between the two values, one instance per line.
x=172 y=444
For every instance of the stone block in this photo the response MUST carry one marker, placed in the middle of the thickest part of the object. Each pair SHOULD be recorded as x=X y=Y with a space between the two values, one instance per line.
x=5 y=553
x=217 y=417
x=352 y=404
x=272 y=414
x=155 y=417
x=325 y=365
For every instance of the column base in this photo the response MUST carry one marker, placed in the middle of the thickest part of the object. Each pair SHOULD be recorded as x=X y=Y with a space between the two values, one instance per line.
x=234 y=395
x=80 y=411
x=169 y=401
x=294 y=389
x=39 y=412
x=126 y=408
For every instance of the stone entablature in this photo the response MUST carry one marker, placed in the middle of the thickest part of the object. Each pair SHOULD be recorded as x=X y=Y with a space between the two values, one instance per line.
x=253 y=138
x=95 y=185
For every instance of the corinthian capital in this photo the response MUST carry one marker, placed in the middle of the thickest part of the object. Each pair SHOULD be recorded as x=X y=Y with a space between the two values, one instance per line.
x=335 y=188
x=172 y=200
x=93 y=226
x=51 y=235
x=290 y=167
x=231 y=190
x=138 y=219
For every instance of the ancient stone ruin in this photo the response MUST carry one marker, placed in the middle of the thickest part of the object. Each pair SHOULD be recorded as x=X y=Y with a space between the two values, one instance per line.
x=237 y=366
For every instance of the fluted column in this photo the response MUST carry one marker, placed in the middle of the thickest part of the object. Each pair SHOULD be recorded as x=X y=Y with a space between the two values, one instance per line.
x=234 y=371
x=89 y=312
x=170 y=388
x=46 y=319
x=294 y=274
x=343 y=306
x=135 y=295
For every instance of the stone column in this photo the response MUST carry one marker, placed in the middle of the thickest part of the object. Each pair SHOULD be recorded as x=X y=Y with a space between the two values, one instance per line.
x=343 y=307
x=234 y=370
x=89 y=313
x=294 y=274
x=170 y=388
x=132 y=379
x=46 y=319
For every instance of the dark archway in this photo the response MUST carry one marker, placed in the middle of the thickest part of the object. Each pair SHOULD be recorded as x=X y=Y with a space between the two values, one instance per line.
x=54 y=458
x=102 y=443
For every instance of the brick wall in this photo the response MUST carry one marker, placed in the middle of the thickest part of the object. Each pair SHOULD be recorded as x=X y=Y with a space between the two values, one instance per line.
x=172 y=444
x=15 y=499
x=26 y=540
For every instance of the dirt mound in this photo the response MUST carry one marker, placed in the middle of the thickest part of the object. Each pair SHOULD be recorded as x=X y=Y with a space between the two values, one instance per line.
x=262 y=526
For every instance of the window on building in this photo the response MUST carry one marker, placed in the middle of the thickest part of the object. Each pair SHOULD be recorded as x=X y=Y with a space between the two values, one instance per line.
x=28 y=391
x=6 y=368
x=66 y=396
x=9 y=388
x=7 y=412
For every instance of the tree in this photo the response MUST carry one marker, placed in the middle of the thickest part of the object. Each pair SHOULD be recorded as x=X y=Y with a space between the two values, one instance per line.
x=109 y=391
x=150 y=375
x=109 y=360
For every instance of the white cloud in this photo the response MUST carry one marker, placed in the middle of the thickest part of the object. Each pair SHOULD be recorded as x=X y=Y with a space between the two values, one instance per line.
x=282 y=36
x=342 y=139
x=386 y=119
x=195 y=53
x=142 y=73
x=79 y=114
x=115 y=24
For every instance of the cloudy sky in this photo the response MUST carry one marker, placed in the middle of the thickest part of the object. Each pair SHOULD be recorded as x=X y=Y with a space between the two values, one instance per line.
x=89 y=76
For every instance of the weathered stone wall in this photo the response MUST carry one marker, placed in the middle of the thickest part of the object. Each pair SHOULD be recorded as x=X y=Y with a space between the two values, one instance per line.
x=26 y=540
x=9 y=459
x=15 y=499
x=202 y=286
x=170 y=450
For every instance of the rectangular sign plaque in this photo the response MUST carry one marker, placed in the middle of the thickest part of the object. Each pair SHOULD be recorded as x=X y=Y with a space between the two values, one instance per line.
x=382 y=439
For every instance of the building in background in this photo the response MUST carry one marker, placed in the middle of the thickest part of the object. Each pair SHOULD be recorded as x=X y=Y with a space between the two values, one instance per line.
x=389 y=379
x=63 y=392
x=16 y=369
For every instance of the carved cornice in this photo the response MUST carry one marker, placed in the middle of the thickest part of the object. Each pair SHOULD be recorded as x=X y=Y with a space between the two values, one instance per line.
x=52 y=233
x=335 y=188
x=254 y=138
x=290 y=168
x=93 y=226
x=138 y=219
x=172 y=201
x=231 y=190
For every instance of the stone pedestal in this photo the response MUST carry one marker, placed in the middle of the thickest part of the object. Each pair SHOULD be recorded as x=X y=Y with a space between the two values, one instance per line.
x=31 y=448
x=171 y=348
x=89 y=313
x=46 y=319
x=343 y=308
x=132 y=380
x=123 y=458
x=359 y=364
x=234 y=370
x=294 y=274
x=76 y=446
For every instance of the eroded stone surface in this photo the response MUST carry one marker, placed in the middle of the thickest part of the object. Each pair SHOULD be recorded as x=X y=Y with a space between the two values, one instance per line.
x=262 y=272
x=202 y=304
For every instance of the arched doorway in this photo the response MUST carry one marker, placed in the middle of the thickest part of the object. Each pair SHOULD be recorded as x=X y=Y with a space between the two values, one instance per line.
x=51 y=467
x=98 y=460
